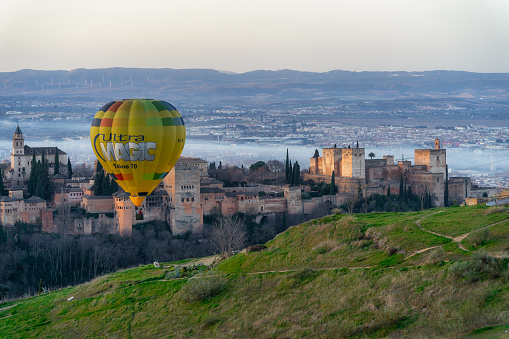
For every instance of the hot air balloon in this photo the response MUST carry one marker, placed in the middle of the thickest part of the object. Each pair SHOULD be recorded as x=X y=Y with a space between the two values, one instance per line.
x=138 y=141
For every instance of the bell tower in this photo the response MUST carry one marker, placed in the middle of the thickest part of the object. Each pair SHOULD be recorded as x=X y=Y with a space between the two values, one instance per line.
x=18 y=143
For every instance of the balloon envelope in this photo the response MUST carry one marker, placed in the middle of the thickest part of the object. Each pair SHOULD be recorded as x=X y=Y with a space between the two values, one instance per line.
x=138 y=141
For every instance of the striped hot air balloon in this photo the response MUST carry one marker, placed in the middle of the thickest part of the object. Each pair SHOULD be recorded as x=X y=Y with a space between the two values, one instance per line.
x=138 y=141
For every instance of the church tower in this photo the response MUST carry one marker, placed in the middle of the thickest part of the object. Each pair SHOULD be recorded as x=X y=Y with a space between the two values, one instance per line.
x=18 y=143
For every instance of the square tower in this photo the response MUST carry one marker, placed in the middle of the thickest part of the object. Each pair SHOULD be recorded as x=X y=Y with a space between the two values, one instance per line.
x=353 y=163
x=183 y=186
x=331 y=158
x=434 y=159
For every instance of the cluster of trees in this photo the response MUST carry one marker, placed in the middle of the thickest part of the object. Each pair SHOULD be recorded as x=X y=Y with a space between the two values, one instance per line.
x=292 y=173
x=38 y=183
x=29 y=258
x=103 y=184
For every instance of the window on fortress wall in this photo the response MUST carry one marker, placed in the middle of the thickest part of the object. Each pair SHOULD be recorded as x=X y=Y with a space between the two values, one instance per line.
x=192 y=199
x=182 y=200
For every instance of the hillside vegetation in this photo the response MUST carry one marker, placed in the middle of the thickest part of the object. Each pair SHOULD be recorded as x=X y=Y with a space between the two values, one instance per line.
x=436 y=273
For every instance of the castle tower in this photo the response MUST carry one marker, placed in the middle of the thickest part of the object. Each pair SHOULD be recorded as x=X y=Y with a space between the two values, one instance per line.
x=18 y=143
x=331 y=158
x=183 y=186
x=353 y=164
x=434 y=159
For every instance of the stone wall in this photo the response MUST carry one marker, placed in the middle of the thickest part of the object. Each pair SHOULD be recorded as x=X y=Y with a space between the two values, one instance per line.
x=459 y=190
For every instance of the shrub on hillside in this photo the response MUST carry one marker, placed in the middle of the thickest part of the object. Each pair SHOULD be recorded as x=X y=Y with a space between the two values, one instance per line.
x=203 y=288
x=481 y=268
x=479 y=237
x=496 y=209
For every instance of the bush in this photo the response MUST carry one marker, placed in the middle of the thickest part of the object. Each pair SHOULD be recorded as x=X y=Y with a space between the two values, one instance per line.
x=483 y=267
x=203 y=288
x=303 y=275
x=479 y=237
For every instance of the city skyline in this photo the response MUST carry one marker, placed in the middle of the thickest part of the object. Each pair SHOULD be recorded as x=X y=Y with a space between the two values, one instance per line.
x=320 y=36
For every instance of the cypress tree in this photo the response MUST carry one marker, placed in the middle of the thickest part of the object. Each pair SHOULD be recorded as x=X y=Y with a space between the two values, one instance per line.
x=296 y=174
x=69 y=168
x=405 y=195
x=446 y=188
x=32 y=181
x=42 y=188
x=389 y=191
x=2 y=187
x=105 y=185
x=113 y=186
x=287 y=168
x=220 y=165
x=57 y=162
x=99 y=176
x=333 y=189
x=317 y=154
x=401 y=187
x=290 y=174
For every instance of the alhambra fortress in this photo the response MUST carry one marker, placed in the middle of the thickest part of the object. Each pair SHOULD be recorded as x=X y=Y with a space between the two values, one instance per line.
x=188 y=193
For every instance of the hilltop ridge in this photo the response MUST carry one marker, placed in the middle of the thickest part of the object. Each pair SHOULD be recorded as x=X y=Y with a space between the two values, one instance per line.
x=260 y=86
x=435 y=273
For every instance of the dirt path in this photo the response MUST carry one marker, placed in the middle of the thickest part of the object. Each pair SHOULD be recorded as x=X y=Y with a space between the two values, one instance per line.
x=458 y=239
x=7 y=308
x=207 y=261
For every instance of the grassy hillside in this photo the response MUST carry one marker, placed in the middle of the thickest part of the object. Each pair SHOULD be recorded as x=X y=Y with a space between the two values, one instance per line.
x=370 y=275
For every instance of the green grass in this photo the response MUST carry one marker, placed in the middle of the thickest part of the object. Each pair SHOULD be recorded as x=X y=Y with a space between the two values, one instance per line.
x=498 y=240
x=364 y=292
x=458 y=220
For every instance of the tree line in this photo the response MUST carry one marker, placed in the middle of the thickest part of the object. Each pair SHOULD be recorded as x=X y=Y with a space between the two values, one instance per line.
x=31 y=260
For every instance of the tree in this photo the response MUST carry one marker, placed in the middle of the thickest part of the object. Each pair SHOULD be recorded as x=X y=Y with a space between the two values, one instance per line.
x=220 y=165
x=56 y=168
x=98 y=179
x=333 y=188
x=371 y=155
x=317 y=154
x=296 y=174
x=275 y=165
x=69 y=168
x=228 y=235
x=257 y=165
x=287 y=168
x=446 y=188
x=423 y=198
x=389 y=191
x=2 y=187
x=42 y=189
x=401 y=188
x=32 y=181
x=351 y=201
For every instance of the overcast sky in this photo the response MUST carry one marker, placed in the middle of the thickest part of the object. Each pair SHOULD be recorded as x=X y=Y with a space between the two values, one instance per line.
x=245 y=35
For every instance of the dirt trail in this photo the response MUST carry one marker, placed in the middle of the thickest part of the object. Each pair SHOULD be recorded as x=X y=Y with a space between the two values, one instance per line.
x=7 y=308
x=458 y=239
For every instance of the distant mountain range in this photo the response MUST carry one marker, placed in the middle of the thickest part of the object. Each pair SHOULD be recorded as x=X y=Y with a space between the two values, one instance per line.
x=264 y=87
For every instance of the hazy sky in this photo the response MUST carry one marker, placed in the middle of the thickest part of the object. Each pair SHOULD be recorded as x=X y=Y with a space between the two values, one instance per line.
x=244 y=35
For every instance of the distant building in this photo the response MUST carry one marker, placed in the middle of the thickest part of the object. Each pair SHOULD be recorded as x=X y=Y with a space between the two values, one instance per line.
x=377 y=175
x=14 y=208
x=22 y=157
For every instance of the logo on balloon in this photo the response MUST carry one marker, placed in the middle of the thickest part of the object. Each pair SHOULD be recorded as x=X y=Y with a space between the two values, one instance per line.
x=124 y=147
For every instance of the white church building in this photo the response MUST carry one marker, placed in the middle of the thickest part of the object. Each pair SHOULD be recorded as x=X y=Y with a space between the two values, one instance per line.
x=22 y=157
